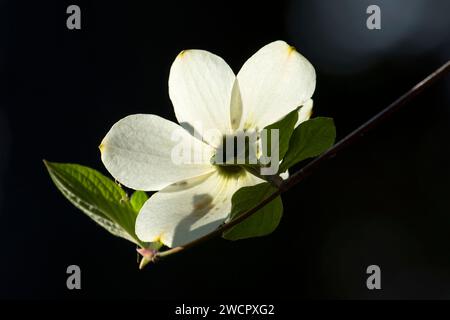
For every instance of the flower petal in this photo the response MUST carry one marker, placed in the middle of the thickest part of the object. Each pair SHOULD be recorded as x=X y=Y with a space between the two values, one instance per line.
x=305 y=112
x=273 y=82
x=200 y=87
x=180 y=215
x=147 y=152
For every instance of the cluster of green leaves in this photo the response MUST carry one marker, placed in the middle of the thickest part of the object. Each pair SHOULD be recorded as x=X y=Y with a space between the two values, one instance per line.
x=105 y=202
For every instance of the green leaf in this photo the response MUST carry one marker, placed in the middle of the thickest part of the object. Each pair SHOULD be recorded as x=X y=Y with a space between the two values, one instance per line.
x=138 y=199
x=262 y=222
x=310 y=139
x=286 y=127
x=97 y=196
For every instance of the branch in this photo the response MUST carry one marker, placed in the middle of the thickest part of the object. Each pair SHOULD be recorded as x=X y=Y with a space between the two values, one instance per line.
x=300 y=175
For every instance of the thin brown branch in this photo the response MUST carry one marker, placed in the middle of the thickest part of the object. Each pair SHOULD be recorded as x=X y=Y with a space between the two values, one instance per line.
x=308 y=169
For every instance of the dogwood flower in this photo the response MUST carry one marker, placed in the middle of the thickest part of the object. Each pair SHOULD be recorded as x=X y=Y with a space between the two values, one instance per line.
x=194 y=197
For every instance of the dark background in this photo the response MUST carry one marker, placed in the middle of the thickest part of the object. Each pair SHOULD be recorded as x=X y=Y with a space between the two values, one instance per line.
x=385 y=201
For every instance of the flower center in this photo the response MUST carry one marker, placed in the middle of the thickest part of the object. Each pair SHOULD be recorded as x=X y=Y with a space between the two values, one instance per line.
x=230 y=171
x=231 y=154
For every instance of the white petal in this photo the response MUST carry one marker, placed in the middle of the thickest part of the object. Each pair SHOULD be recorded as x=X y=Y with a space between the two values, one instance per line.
x=143 y=152
x=305 y=112
x=273 y=82
x=235 y=106
x=176 y=216
x=200 y=86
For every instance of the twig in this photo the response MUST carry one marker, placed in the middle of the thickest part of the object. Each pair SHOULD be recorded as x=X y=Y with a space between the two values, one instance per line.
x=300 y=175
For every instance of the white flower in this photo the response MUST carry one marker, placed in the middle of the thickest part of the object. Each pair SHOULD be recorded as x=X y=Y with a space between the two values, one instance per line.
x=195 y=198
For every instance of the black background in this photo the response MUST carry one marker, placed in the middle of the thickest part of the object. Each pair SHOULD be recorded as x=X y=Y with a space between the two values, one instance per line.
x=383 y=202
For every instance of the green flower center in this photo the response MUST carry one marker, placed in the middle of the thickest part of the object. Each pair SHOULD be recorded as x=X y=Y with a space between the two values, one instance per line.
x=230 y=171
x=229 y=167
